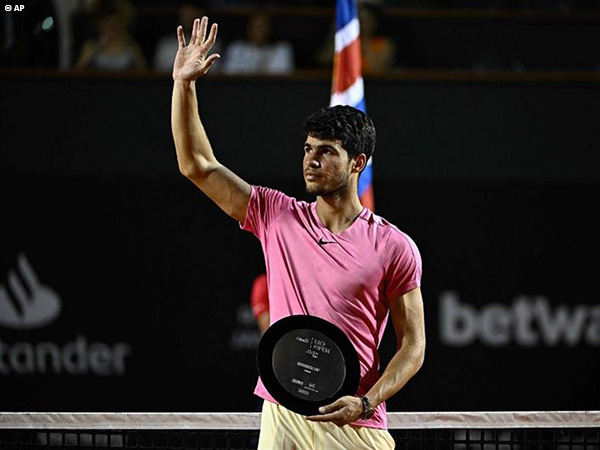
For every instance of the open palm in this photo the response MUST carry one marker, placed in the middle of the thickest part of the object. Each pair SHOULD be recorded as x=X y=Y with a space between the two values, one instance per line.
x=192 y=60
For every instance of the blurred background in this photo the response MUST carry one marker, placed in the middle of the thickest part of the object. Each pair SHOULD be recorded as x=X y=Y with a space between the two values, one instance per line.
x=123 y=288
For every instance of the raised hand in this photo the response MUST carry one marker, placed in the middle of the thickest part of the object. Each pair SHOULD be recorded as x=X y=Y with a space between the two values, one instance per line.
x=192 y=60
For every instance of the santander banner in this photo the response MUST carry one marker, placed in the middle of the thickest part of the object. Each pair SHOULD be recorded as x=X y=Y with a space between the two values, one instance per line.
x=28 y=304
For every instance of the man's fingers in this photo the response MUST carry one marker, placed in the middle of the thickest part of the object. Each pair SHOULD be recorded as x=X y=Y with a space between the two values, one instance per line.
x=326 y=417
x=210 y=60
x=202 y=33
x=180 y=37
x=212 y=37
x=332 y=408
x=338 y=404
x=194 y=31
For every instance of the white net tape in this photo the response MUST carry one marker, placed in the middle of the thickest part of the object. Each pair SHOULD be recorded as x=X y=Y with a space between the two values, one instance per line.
x=251 y=421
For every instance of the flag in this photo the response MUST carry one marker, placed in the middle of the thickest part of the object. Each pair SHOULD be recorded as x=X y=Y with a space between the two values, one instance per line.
x=347 y=85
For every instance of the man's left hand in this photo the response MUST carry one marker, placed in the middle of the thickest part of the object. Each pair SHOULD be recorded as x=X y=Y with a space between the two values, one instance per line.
x=343 y=411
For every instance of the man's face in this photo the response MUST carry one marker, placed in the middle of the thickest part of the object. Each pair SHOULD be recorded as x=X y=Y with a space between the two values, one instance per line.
x=326 y=166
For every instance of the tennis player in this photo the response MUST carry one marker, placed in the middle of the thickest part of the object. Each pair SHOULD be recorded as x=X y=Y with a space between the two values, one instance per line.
x=332 y=258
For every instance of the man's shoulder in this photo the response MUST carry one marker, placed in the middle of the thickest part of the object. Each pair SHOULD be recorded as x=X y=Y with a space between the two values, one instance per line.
x=381 y=223
x=390 y=232
x=275 y=195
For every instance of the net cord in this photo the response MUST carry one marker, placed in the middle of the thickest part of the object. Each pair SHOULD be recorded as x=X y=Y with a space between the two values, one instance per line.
x=251 y=421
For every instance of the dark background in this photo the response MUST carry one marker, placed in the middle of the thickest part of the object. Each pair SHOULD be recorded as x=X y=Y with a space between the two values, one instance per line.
x=496 y=181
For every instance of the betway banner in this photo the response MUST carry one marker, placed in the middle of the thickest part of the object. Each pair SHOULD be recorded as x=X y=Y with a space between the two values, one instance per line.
x=132 y=294
x=525 y=322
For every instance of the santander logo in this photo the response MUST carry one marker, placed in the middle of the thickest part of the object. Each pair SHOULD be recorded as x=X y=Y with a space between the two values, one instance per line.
x=26 y=303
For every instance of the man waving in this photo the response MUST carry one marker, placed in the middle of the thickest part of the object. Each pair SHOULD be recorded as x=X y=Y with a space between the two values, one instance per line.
x=332 y=258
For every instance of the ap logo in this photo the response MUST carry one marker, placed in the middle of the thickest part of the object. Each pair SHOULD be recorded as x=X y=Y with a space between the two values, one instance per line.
x=26 y=303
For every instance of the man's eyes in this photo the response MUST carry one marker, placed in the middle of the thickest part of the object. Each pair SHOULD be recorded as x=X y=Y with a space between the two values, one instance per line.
x=325 y=150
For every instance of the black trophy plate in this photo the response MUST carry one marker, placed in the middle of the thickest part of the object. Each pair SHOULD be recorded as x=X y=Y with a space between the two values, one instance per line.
x=306 y=362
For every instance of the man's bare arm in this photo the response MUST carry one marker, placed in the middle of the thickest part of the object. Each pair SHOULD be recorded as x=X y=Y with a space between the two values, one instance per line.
x=194 y=153
x=408 y=319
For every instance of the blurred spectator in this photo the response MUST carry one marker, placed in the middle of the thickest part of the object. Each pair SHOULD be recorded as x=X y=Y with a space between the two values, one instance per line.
x=257 y=54
x=65 y=12
x=114 y=49
x=377 y=51
x=167 y=46
x=259 y=300
x=324 y=55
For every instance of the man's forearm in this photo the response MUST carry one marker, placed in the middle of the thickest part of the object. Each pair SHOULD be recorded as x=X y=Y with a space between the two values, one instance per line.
x=194 y=153
x=401 y=368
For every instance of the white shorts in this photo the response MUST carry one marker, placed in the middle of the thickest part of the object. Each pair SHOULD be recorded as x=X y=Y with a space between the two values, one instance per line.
x=282 y=429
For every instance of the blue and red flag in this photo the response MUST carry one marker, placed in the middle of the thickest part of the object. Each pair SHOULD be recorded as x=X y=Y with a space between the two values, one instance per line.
x=347 y=85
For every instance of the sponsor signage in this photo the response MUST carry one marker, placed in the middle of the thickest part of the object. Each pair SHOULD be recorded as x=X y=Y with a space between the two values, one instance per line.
x=28 y=304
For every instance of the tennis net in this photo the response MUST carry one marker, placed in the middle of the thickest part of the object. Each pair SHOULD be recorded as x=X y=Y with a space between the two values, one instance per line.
x=556 y=430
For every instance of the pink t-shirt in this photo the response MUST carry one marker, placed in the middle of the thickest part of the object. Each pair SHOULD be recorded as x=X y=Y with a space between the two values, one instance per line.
x=347 y=279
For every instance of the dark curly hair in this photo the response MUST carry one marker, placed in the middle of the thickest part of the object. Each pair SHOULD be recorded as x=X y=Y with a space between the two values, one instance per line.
x=349 y=125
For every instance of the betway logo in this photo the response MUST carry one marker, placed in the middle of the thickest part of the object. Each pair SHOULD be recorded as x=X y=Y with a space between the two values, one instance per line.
x=29 y=304
x=528 y=322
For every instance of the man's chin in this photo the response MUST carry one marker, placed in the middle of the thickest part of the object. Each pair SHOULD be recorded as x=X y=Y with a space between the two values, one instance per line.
x=314 y=190
x=322 y=191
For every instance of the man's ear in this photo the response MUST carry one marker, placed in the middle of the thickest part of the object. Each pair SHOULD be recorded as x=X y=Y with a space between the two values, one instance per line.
x=359 y=163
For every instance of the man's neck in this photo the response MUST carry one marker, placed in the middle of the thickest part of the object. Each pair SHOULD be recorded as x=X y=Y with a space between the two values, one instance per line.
x=337 y=213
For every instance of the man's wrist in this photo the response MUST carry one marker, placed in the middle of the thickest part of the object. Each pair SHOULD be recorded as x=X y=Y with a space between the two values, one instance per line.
x=187 y=84
x=368 y=408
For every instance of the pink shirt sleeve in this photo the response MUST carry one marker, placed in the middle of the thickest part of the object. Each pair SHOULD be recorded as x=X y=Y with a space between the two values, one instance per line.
x=404 y=266
x=264 y=207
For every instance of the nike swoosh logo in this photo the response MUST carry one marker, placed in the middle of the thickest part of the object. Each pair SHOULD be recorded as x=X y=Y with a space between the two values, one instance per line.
x=322 y=242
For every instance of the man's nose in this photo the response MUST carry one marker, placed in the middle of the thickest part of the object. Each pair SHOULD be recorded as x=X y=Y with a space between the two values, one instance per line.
x=313 y=162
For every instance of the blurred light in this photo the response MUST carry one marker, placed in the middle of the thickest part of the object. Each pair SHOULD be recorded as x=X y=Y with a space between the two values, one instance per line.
x=48 y=24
